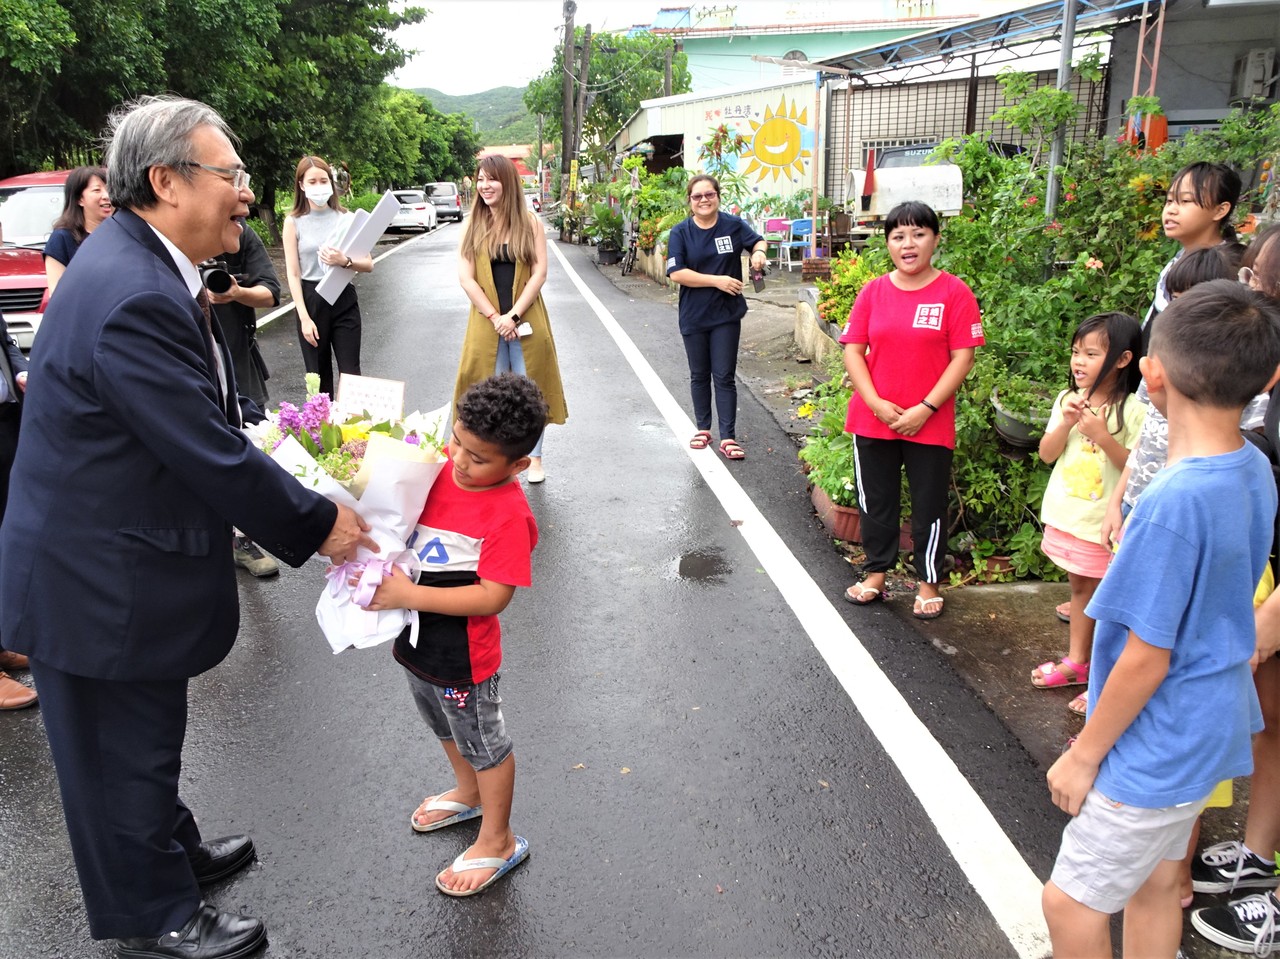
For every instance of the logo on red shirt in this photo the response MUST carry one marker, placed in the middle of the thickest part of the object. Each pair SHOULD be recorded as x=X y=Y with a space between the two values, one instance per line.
x=928 y=317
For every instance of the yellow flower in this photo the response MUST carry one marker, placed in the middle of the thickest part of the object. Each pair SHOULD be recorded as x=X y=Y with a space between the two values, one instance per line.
x=355 y=431
x=1149 y=232
x=805 y=410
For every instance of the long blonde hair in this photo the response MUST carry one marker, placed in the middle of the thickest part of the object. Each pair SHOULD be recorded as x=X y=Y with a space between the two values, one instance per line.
x=486 y=224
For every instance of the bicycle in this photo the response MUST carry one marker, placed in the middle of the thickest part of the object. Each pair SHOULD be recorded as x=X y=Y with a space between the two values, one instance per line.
x=633 y=240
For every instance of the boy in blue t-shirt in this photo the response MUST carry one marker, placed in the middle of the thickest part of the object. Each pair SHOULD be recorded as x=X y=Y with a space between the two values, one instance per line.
x=475 y=537
x=1171 y=701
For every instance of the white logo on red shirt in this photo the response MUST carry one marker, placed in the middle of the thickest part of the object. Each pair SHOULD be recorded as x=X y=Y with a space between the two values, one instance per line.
x=975 y=331
x=928 y=317
x=724 y=244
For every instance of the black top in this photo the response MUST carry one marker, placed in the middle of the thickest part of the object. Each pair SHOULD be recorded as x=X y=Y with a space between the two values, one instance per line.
x=504 y=278
x=252 y=267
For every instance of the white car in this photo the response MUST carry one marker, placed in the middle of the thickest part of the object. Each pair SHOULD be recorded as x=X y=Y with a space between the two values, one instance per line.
x=416 y=213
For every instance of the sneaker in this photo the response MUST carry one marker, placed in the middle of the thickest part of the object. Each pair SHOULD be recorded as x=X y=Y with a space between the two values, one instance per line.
x=250 y=557
x=1226 y=867
x=1246 y=925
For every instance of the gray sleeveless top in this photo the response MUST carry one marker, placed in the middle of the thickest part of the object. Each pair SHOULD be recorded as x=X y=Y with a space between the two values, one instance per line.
x=315 y=230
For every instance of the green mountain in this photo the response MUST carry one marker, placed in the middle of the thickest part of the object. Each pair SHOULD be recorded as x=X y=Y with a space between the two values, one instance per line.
x=499 y=114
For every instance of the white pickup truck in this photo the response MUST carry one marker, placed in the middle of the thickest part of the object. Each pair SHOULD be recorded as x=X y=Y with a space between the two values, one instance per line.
x=898 y=175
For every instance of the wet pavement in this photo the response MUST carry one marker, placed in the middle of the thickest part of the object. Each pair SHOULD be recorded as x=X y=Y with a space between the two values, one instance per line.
x=692 y=778
x=993 y=634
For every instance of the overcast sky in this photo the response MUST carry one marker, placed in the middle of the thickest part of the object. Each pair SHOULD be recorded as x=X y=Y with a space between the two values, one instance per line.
x=466 y=46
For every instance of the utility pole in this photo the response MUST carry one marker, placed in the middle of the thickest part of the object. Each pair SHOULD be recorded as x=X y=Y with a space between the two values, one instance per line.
x=583 y=70
x=541 y=198
x=577 y=126
x=566 y=116
x=666 y=69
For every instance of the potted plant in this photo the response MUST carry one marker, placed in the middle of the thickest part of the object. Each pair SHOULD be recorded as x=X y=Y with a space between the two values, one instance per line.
x=1022 y=409
x=606 y=230
x=827 y=455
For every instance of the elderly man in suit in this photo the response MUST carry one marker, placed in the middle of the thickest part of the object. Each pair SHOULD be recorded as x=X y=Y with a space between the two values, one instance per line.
x=116 y=576
x=13 y=382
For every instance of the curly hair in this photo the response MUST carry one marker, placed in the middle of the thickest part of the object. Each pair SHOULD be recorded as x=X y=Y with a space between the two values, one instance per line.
x=506 y=410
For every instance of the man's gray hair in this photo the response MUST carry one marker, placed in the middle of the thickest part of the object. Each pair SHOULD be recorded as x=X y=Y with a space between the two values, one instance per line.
x=153 y=131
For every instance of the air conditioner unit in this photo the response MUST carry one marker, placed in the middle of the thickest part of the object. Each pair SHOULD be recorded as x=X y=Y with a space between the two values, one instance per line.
x=1254 y=74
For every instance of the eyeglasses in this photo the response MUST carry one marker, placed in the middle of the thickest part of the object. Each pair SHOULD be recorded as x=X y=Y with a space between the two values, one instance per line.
x=699 y=197
x=238 y=178
x=1246 y=276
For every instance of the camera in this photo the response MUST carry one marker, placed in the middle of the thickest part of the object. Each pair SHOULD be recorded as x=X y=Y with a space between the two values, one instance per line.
x=215 y=276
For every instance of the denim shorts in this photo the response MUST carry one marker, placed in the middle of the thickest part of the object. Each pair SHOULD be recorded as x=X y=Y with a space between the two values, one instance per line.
x=471 y=716
x=1111 y=849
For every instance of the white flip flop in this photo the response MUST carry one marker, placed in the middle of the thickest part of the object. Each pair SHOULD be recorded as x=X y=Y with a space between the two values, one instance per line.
x=436 y=804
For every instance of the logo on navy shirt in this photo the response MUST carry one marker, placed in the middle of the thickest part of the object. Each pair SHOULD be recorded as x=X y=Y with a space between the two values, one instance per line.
x=724 y=244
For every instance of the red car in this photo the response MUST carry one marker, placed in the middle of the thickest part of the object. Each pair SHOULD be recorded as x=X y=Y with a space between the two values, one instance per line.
x=28 y=206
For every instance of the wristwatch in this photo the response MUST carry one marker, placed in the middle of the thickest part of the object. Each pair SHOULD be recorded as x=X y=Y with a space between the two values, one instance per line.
x=348 y=262
x=515 y=318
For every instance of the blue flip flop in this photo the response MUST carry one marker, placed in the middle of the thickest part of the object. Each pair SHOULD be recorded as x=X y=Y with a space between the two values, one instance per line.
x=504 y=866
x=463 y=813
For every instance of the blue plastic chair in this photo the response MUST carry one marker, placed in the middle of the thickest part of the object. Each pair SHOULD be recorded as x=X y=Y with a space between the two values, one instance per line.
x=801 y=230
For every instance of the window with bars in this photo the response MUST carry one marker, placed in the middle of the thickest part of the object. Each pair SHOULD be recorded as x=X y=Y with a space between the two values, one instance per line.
x=889 y=115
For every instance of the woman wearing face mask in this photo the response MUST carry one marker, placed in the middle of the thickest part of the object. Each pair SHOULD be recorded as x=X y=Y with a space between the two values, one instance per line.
x=316 y=222
x=85 y=206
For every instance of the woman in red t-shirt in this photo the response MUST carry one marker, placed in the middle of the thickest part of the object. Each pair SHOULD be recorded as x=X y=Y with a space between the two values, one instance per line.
x=909 y=344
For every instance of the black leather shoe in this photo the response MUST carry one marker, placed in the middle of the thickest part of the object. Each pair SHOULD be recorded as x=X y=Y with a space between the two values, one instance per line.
x=219 y=858
x=208 y=934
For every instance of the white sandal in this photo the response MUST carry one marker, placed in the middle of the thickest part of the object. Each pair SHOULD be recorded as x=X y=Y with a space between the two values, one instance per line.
x=462 y=811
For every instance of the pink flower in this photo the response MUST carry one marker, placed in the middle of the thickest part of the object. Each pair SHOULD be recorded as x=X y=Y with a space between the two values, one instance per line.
x=1070 y=197
x=1093 y=264
x=1031 y=201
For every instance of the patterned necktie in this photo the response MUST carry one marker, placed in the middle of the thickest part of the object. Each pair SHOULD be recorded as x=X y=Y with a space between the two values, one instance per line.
x=205 y=308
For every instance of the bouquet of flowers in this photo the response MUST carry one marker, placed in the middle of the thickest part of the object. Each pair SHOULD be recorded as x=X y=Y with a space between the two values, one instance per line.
x=383 y=471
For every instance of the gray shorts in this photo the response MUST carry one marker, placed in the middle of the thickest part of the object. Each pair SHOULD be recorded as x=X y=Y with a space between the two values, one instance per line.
x=471 y=716
x=1110 y=849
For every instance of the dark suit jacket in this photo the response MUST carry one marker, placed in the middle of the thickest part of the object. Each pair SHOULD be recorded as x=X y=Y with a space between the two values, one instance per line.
x=12 y=362
x=115 y=557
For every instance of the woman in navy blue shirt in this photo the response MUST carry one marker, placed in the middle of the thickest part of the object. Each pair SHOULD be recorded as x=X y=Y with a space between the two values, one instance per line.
x=704 y=256
x=85 y=205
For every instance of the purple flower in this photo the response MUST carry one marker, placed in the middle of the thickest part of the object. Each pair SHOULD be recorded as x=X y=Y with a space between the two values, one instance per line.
x=413 y=439
x=288 y=419
x=314 y=414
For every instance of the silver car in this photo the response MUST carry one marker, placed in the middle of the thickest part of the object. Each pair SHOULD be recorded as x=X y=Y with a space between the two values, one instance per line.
x=446 y=199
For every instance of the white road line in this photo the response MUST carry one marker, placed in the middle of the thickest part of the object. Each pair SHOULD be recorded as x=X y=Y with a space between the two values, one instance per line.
x=288 y=307
x=993 y=866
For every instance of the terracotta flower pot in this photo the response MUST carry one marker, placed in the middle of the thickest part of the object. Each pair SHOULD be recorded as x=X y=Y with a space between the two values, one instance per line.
x=842 y=522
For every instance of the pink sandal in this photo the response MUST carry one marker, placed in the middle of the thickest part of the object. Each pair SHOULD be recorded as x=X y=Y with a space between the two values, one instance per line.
x=1065 y=672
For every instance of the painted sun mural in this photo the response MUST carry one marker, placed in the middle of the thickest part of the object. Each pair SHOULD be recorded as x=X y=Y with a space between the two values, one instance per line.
x=778 y=143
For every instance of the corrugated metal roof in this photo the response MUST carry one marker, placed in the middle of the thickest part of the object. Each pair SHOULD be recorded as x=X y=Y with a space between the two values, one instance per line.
x=993 y=39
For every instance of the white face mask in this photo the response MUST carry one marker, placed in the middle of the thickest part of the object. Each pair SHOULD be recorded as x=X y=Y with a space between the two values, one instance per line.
x=319 y=195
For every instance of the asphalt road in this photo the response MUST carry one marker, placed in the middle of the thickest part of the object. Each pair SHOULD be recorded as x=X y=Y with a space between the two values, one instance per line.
x=694 y=778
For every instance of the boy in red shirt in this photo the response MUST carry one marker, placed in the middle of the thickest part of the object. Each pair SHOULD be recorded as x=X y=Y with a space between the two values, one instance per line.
x=474 y=539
